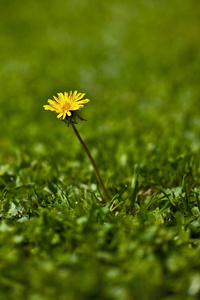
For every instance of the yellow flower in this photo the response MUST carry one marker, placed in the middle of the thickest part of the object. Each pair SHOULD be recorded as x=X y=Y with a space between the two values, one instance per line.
x=65 y=103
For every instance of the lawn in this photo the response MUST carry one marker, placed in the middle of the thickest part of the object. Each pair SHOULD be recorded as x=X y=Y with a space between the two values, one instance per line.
x=138 y=61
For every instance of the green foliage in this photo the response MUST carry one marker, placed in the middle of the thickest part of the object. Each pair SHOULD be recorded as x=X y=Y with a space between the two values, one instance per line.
x=139 y=64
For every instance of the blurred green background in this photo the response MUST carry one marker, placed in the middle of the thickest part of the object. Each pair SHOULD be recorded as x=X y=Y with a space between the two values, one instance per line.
x=138 y=61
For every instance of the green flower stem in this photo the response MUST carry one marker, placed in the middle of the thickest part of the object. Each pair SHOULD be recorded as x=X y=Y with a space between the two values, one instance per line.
x=92 y=162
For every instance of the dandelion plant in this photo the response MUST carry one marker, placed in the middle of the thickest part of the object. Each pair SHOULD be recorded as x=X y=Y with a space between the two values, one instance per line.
x=67 y=106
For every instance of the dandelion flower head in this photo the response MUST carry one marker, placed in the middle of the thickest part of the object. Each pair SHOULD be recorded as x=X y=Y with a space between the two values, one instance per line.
x=65 y=104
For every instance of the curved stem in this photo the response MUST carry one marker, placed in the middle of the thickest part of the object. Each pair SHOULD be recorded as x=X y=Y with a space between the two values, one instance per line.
x=92 y=162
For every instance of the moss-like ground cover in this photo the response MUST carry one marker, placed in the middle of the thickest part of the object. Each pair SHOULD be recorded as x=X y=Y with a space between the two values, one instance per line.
x=139 y=64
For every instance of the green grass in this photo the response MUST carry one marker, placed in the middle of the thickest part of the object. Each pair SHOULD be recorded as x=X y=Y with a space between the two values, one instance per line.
x=139 y=64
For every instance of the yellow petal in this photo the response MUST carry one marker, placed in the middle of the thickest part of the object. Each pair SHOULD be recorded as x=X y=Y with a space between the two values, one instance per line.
x=84 y=101
x=57 y=100
x=69 y=113
x=80 y=96
x=60 y=115
x=61 y=97
x=48 y=107
x=75 y=93
x=54 y=105
x=52 y=102
x=66 y=95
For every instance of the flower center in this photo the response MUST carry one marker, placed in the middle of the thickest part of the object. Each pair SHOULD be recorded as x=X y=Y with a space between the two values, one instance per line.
x=66 y=106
